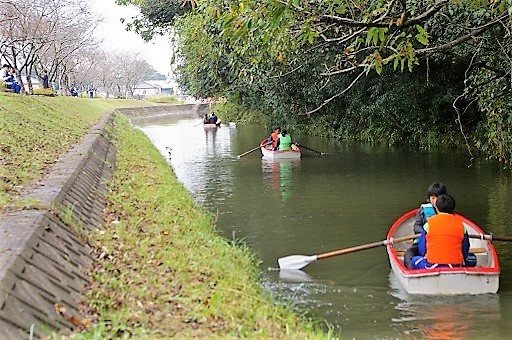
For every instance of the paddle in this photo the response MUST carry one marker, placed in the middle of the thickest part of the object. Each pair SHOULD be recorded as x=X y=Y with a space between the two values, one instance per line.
x=256 y=148
x=305 y=147
x=493 y=237
x=294 y=262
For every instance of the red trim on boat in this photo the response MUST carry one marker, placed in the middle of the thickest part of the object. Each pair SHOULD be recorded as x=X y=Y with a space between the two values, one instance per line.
x=437 y=271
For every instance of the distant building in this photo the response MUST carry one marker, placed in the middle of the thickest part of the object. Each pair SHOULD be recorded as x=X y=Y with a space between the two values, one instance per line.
x=165 y=87
x=144 y=89
x=155 y=87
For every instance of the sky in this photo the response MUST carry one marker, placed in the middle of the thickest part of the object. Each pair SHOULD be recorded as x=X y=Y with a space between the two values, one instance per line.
x=115 y=38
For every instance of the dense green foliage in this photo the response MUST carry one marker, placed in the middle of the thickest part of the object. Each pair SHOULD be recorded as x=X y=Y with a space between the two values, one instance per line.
x=384 y=71
x=156 y=16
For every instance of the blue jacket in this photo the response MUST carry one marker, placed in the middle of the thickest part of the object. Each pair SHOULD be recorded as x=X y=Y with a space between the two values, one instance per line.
x=425 y=211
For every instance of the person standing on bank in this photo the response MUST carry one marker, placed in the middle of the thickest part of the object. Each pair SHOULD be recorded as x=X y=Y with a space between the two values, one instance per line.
x=425 y=211
x=284 y=141
x=444 y=241
x=45 y=80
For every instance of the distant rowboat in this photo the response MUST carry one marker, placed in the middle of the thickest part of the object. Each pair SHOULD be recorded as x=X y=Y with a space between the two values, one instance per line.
x=482 y=279
x=268 y=153
x=211 y=126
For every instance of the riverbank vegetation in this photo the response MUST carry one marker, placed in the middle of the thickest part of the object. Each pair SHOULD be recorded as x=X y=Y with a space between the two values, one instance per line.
x=163 y=99
x=431 y=73
x=165 y=272
x=36 y=130
x=162 y=269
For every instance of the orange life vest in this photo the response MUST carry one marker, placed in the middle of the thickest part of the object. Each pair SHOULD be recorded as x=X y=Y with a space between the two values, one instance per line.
x=444 y=239
x=274 y=136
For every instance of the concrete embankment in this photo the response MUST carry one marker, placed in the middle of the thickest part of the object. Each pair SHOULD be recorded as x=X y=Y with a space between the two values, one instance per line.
x=43 y=253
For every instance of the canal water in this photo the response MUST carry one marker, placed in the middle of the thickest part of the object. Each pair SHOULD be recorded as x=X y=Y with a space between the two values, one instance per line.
x=348 y=196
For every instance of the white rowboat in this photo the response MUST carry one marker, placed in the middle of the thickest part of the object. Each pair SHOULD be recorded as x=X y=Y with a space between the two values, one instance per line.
x=211 y=126
x=482 y=279
x=266 y=151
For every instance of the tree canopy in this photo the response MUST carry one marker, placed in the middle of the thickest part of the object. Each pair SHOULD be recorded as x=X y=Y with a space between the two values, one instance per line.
x=51 y=37
x=331 y=60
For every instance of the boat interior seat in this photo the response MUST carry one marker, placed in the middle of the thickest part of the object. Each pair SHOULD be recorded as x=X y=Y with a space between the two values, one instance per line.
x=482 y=259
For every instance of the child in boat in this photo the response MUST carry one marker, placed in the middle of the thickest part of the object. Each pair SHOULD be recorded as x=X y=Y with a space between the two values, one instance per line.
x=274 y=136
x=424 y=212
x=284 y=141
x=444 y=241
x=213 y=119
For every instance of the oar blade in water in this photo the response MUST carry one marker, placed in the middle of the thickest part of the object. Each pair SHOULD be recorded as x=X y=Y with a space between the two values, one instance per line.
x=296 y=275
x=294 y=262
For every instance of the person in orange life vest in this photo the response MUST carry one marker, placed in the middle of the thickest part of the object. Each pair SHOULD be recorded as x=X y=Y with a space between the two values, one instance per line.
x=425 y=211
x=444 y=241
x=274 y=137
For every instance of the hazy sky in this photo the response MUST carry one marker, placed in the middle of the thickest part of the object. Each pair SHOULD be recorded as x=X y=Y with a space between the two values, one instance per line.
x=157 y=53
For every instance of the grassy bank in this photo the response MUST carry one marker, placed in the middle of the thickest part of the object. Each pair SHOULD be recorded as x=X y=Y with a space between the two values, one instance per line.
x=162 y=270
x=36 y=130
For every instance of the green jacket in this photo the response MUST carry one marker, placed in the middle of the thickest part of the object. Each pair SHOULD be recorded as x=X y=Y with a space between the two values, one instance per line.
x=285 y=142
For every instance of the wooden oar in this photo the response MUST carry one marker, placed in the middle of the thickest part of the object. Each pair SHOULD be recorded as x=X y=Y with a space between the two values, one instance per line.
x=256 y=148
x=305 y=147
x=492 y=237
x=294 y=262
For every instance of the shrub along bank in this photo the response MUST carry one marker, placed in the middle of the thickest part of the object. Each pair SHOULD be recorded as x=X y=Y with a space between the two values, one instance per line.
x=161 y=270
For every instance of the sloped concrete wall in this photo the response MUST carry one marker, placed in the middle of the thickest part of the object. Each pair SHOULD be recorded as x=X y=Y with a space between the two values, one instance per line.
x=43 y=256
x=43 y=261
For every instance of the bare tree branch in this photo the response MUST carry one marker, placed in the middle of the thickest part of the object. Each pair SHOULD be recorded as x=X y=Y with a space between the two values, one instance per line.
x=287 y=73
x=344 y=38
x=457 y=110
x=327 y=101
x=427 y=14
x=463 y=38
x=342 y=71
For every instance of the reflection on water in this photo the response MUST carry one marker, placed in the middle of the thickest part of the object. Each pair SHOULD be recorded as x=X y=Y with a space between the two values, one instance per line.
x=278 y=174
x=447 y=317
x=346 y=198
x=294 y=276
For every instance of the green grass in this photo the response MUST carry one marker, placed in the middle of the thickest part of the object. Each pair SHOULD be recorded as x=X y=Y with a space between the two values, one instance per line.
x=162 y=269
x=36 y=130
x=166 y=272
x=45 y=92
x=163 y=99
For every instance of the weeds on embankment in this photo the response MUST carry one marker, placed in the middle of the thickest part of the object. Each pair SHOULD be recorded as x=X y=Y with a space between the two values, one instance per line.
x=162 y=271
x=35 y=131
x=163 y=99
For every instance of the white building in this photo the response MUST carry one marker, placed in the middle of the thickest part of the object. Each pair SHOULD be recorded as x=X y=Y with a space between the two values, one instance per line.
x=153 y=87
